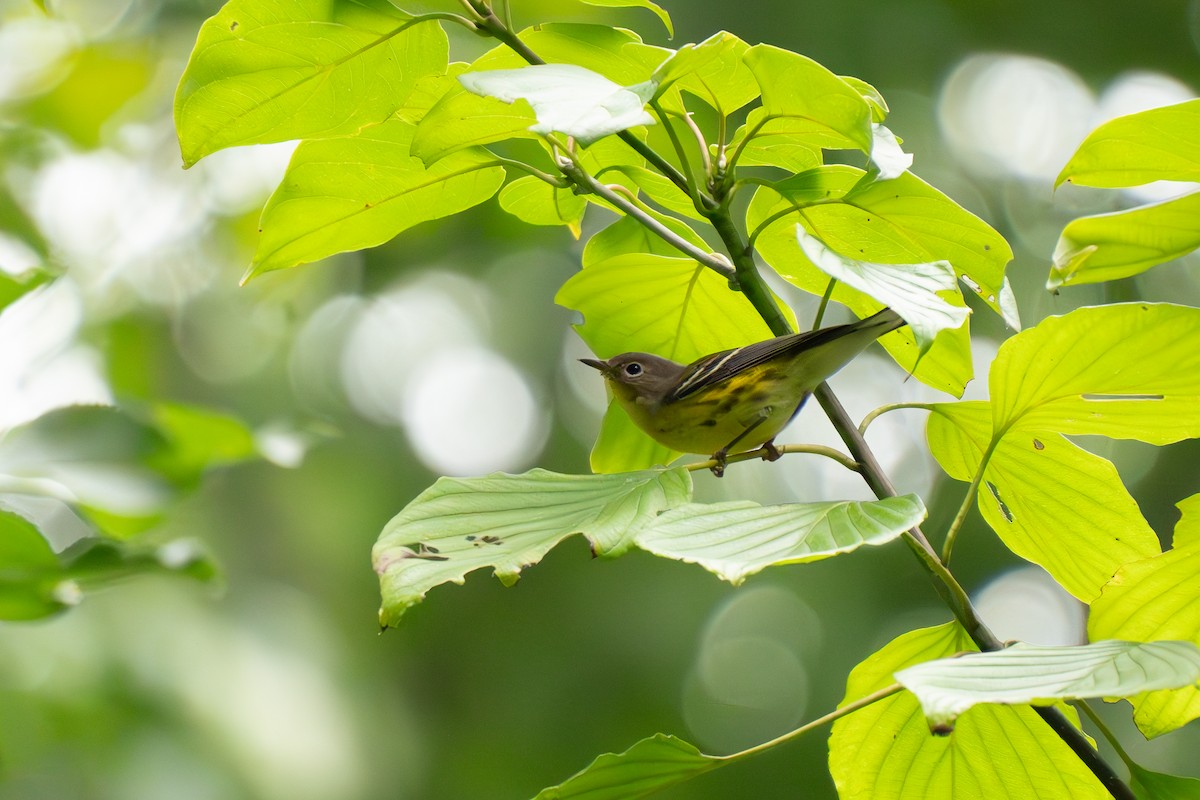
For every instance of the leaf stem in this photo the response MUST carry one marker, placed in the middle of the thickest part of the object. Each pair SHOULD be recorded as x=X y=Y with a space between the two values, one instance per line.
x=815 y=449
x=699 y=200
x=1105 y=731
x=879 y=412
x=965 y=508
x=824 y=304
x=584 y=180
x=837 y=713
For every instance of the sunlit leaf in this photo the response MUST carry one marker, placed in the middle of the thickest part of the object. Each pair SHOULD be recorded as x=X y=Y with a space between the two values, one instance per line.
x=1105 y=247
x=739 y=538
x=567 y=98
x=1126 y=370
x=508 y=522
x=1187 y=530
x=291 y=69
x=712 y=70
x=460 y=120
x=662 y=191
x=1026 y=673
x=1158 y=144
x=351 y=193
x=532 y=200
x=885 y=751
x=1151 y=599
x=879 y=106
x=197 y=439
x=911 y=290
x=646 y=767
x=646 y=4
x=627 y=236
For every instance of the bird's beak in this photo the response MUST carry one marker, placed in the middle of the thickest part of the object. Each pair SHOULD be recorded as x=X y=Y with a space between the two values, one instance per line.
x=600 y=365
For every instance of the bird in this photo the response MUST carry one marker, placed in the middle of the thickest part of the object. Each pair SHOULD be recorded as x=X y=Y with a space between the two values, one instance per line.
x=741 y=397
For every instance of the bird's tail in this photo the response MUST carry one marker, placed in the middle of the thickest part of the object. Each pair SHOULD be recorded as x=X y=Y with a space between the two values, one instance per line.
x=881 y=322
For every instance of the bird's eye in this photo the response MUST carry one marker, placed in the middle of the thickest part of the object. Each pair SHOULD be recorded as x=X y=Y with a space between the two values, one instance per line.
x=633 y=370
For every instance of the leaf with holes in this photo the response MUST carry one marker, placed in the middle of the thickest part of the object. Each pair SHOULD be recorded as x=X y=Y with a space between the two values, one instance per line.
x=508 y=522
x=1049 y=500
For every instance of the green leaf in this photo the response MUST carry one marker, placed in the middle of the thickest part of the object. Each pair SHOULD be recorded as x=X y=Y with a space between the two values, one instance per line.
x=789 y=143
x=662 y=191
x=912 y=290
x=1105 y=247
x=36 y=583
x=347 y=194
x=672 y=307
x=1187 y=530
x=1152 y=599
x=1026 y=673
x=460 y=120
x=1154 y=145
x=532 y=200
x=798 y=88
x=646 y=4
x=736 y=539
x=198 y=439
x=627 y=236
x=879 y=106
x=713 y=71
x=846 y=229
x=508 y=522
x=14 y=287
x=1149 y=785
x=567 y=98
x=1126 y=370
x=292 y=69
x=29 y=573
x=646 y=767
x=622 y=447
x=885 y=752
x=1049 y=501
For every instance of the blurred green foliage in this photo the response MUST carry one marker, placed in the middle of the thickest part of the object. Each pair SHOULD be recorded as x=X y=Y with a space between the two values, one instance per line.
x=281 y=686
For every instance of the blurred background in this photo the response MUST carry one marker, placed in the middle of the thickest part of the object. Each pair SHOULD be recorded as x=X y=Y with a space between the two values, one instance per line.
x=360 y=379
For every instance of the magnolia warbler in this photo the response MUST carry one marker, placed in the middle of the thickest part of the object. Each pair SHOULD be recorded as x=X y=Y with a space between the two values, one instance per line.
x=735 y=398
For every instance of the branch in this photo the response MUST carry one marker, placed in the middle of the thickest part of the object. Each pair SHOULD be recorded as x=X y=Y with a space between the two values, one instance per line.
x=585 y=181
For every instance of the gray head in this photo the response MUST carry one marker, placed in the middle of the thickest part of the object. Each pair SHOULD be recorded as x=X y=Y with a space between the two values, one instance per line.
x=638 y=374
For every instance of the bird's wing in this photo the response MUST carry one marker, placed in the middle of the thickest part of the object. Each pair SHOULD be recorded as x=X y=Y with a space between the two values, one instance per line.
x=727 y=363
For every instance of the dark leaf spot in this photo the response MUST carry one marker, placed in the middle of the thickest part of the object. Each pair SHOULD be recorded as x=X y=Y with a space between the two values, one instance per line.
x=1037 y=445
x=233 y=25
